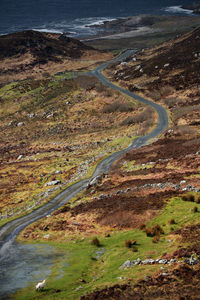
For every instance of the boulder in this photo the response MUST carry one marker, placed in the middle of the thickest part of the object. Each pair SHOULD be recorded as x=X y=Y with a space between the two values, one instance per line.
x=54 y=182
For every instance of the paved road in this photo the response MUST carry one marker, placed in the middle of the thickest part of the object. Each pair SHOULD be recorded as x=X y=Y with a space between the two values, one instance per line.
x=9 y=232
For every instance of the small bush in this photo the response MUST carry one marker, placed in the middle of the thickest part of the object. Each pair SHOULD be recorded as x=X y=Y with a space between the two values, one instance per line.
x=170 y=102
x=156 y=238
x=134 y=249
x=197 y=200
x=139 y=118
x=130 y=243
x=195 y=209
x=153 y=231
x=188 y=197
x=142 y=227
x=172 y=221
x=166 y=90
x=118 y=106
x=96 y=242
x=155 y=95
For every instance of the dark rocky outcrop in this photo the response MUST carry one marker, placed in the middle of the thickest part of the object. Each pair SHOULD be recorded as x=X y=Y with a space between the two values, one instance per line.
x=42 y=46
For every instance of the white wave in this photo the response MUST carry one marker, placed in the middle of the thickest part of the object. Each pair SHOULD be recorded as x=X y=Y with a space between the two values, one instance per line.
x=83 y=23
x=177 y=9
x=76 y=27
x=47 y=30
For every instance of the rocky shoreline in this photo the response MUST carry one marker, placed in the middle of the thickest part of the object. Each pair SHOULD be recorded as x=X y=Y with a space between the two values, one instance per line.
x=195 y=8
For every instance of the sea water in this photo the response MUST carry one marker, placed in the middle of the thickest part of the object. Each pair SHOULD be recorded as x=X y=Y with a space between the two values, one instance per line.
x=74 y=16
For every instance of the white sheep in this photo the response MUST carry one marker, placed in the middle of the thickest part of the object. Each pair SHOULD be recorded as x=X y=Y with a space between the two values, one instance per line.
x=40 y=285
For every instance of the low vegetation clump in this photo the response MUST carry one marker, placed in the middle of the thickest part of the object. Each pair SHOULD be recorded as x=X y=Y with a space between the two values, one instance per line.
x=96 y=242
x=172 y=221
x=197 y=200
x=156 y=230
x=142 y=227
x=156 y=238
x=118 y=106
x=195 y=209
x=139 y=118
x=130 y=243
x=188 y=197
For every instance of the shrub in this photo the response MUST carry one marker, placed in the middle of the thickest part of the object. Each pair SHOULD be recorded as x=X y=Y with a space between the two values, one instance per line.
x=142 y=227
x=117 y=106
x=96 y=242
x=155 y=95
x=172 y=221
x=188 y=197
x=134 y=249
x=197 y=200
x=166 y=90
x=139 y=118
x=170 y=102
x=130 y=243
x=195 y=209
x=153 y=231
x=156 y=238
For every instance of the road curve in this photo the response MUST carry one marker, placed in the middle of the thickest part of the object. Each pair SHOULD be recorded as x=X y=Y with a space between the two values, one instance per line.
x=9 y=231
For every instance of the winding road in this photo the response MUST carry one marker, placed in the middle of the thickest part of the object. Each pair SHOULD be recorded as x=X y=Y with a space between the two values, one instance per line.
x=9 y=231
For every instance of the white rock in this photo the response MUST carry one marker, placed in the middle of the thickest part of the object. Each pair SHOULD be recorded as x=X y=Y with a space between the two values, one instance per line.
x=182 y=181
x=54 y=182
x=20 y=124
x=166 y=65
x=31 y=115
x=20 y=157
x=46 y=236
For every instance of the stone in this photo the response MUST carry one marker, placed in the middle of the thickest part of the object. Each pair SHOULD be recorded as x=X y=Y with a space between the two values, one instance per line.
x=127 y=264
x=54 y=182
x=166 y=65
x=138 y=261
x=46 y=236
x=119 y=192
x=58 y=172
x=20 y=157
x=31 y=115
x=163 y=261
x=20 y=124
x=75 y=224
x=172 y=261
x=183 y=181
x=78 y=288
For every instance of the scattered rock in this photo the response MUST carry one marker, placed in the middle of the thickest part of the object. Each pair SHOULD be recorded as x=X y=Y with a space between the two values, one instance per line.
x=20 y=157
x=54 y=182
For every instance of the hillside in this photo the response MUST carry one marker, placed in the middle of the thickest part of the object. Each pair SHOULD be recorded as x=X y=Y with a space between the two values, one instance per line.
x=29 y=53
x=132 y=233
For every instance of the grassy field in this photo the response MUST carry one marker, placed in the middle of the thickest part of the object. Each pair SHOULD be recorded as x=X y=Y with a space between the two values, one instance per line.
x=93 y=267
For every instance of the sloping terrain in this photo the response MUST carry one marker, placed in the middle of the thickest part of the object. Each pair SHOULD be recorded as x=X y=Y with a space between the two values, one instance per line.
x=31 y=53
x=132 y=222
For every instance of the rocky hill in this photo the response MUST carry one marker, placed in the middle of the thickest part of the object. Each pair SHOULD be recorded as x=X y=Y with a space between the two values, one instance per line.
x=29 y=52
x=174 y=63
x=42 y=46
